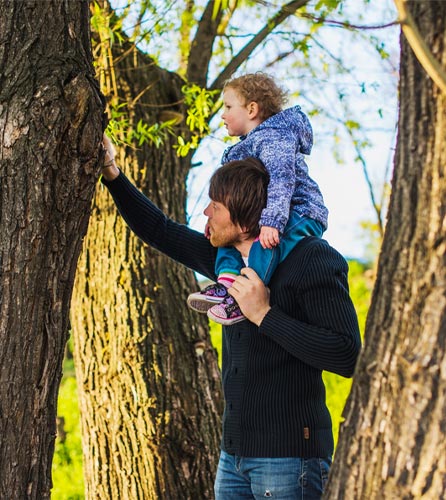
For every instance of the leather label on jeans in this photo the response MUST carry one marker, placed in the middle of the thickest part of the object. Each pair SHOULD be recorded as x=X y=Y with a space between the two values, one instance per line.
x=306 y=433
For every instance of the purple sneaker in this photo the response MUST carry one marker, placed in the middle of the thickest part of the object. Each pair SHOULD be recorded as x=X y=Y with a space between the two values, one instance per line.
x=226 y=313
x=213 y=294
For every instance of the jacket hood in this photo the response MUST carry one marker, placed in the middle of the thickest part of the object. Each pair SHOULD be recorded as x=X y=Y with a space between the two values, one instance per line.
x=296 y=121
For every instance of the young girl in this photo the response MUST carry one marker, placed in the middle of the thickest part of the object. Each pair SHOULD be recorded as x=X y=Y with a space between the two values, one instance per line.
x=295 y=207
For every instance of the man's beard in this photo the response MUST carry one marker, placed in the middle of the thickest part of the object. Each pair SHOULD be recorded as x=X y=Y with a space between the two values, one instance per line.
x=225 y=238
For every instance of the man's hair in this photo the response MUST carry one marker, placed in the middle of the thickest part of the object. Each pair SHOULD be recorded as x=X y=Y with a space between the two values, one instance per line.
x=262 y=89
x=241 y=186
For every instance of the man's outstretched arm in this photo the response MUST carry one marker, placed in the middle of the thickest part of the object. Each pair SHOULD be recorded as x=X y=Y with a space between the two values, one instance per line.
x=149 y=223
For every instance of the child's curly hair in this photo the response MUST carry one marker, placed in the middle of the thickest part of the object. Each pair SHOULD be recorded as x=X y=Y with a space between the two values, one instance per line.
x=262 y=89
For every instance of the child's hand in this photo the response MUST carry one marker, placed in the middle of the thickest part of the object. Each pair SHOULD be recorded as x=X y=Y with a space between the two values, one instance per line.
x=269 y=237
x=206 y=231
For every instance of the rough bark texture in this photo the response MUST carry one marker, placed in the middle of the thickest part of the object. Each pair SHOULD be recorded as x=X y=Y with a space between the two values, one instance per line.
x=149 y=384
x=50 y=130
x=392 y=444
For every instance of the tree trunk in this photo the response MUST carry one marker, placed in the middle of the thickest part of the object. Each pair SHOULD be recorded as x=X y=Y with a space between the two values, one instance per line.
x=149 y=384
x=50 y=130
x=392 y=442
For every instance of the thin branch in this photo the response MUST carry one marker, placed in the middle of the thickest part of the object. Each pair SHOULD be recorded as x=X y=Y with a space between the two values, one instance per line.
x=346 y=24
x=202 y=45
x=143 y=91
x=249 y=48
x=419 y=46
x=332 y=22
x=376 y=207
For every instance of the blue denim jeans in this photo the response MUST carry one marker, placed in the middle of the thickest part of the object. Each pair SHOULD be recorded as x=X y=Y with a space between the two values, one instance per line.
x=289 y=478
x=264 y=261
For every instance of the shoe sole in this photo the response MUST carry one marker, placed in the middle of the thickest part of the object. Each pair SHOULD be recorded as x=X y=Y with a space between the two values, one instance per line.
x=204 y=303
x=224 y=321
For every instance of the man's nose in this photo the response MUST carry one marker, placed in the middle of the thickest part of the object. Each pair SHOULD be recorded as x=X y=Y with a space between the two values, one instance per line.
x=207 y=211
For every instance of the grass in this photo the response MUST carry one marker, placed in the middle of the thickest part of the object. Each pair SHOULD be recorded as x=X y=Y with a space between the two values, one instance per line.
x=68 y=479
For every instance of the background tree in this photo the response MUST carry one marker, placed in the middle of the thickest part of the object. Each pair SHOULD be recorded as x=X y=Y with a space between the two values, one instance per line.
x=149 y=384
x=50 y=129
x=392 y=442
x=148 y=378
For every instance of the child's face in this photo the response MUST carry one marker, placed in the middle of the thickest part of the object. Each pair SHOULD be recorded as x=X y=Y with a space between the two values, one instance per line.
x=236 y=116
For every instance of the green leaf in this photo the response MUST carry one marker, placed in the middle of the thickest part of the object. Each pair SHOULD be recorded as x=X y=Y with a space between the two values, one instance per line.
x=352 y=125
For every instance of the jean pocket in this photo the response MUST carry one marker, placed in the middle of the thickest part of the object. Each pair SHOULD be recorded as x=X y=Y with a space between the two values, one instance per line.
x=324 y=465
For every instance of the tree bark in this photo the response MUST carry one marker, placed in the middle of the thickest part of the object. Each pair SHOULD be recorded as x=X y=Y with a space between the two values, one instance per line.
x=392 y=442
x=50 y=129
x=149 y=383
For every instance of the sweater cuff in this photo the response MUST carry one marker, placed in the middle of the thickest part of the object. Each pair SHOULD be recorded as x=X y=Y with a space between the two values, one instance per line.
x=268 y=321
x=279 y=222
x=109 y=183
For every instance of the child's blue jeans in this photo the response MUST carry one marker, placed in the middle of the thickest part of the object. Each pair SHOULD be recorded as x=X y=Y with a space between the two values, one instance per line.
x=264 y=261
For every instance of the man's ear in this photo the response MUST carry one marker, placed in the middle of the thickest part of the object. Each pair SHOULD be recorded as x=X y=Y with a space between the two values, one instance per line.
x=253 y=110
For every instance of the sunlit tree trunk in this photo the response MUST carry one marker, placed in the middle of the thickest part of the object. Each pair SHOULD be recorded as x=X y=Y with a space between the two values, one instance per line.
x=392 y=443
x=149 y=384
x=50 y=131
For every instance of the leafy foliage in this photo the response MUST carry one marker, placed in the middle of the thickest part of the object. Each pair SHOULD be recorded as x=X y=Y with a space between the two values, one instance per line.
x=200 y=106
x=338 y=388
x=67 y=463
x=108 y=30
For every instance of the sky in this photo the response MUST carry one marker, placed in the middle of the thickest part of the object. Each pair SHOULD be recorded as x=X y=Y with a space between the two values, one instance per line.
x=371 y=92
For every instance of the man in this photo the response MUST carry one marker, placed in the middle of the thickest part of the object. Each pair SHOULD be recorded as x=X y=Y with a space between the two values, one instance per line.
x=277 y=435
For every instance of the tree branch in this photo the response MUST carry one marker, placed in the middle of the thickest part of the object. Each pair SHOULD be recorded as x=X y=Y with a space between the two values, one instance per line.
x=347 y=25
x=419 y=46
x=286 y=11
x=202 y=45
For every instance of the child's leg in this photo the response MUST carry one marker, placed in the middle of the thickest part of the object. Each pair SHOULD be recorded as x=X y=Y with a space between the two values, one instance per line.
x=227 y=267
x=264 y=261
x=298 y=228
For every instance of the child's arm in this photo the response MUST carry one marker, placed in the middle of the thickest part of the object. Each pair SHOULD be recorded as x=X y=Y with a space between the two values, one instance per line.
x=277 y=151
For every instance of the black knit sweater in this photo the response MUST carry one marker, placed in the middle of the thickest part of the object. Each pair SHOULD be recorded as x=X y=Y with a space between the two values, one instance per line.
x=272 y=374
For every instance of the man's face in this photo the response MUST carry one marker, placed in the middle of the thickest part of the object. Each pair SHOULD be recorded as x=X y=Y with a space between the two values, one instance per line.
x=222 y=231
x=236 y=115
